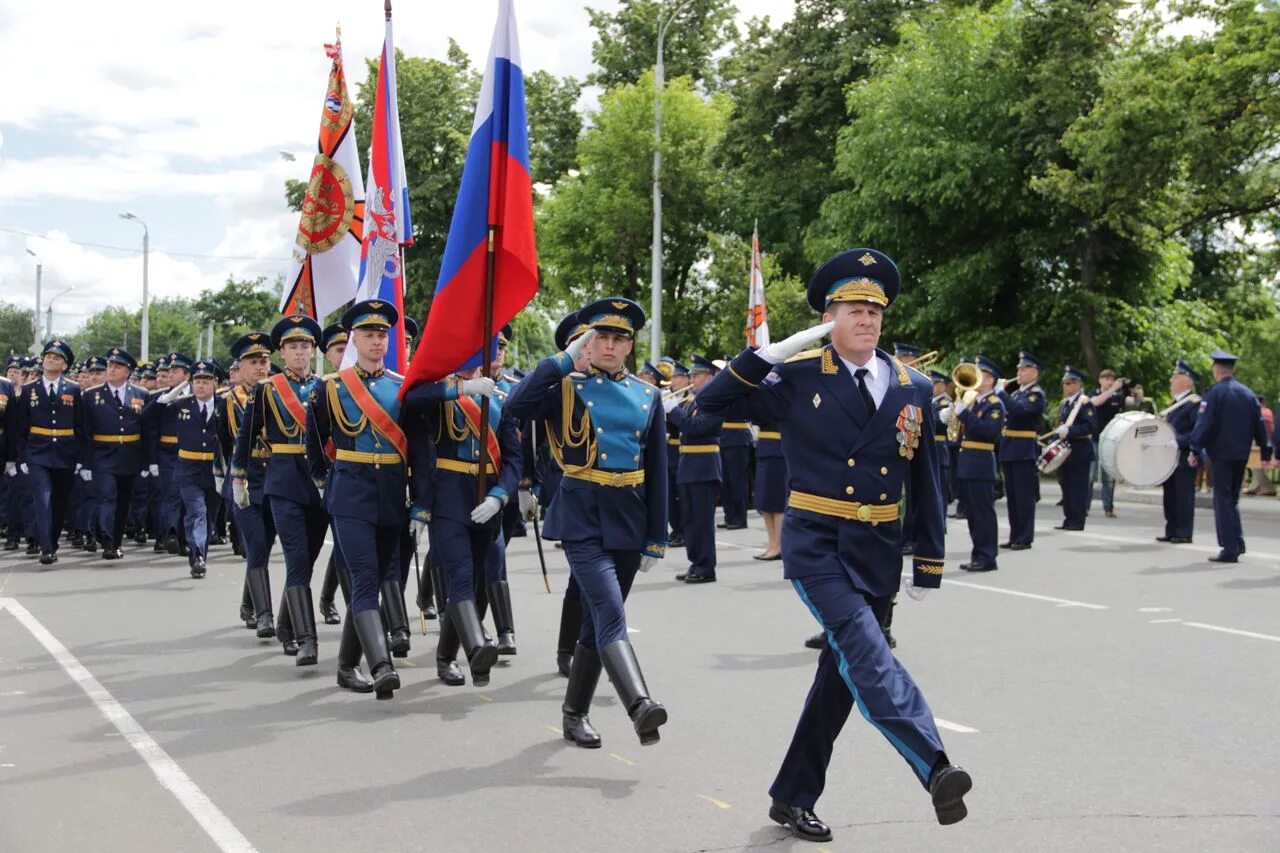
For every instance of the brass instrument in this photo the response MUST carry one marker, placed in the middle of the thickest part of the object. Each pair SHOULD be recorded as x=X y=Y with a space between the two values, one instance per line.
x=967 y=378
x=925 y=361
x=678 y=394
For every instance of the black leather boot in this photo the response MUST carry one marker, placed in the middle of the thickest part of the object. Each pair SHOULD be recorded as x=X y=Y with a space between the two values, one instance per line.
x=246 y=605
x=500 y=599
x=481 y=655
x=373 y=639
x=259 y=583
x=349 y=675
x=583 y=677
x=327 y=590
x=570 y=630
x=887 y=625
x=284 y=628
x=447 y=669
x=397 y=618
x=624 y=671
x=303 y=616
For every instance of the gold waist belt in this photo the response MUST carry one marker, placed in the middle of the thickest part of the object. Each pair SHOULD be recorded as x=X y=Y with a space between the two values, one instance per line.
x=1020 y=433
x=287 y=449
x=195 y=456
x=168 y=439
x=617 y=479
x=56 y=433
x=675 y=442
x=368 y=458
x=767 y=434
x=736 y=425
x=459 y=467
x=872 y=514
x=117 y=439
x=977 y=445
x=699 y=448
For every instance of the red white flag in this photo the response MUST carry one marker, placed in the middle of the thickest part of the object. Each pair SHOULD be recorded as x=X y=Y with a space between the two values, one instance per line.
x=757 y=311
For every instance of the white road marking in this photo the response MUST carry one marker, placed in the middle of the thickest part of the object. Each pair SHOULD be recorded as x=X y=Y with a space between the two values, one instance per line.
x=1162 y=621
x=1235 y=631
x=170 y=776
x=1064 y=602
x=1155 y=609
x=1134 y=540
x=954 y=727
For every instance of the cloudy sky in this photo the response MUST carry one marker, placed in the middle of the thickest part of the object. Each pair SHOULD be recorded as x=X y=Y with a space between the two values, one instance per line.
x=177 y=112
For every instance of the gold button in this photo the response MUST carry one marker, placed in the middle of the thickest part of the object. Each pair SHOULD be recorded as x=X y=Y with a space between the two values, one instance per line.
x=645 y=407
x=648 y=391
x=848 y=490
x=599 y=381
x=851 y=463
x=591 y=402
x=599 y=430
x=637 y=433
x=604 y=455
x=579 y=386
x=883 y=496
x=635 y=458
x=884 y=470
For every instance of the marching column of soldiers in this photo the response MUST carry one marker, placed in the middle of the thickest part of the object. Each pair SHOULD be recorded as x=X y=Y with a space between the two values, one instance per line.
x=850 y=454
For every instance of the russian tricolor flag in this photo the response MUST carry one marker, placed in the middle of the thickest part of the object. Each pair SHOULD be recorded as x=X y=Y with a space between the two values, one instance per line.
x=495 y=203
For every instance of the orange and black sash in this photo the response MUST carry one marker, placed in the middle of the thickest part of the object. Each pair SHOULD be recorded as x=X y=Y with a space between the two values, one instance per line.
x=290 y=397
x=471 y=412
x=378 y=416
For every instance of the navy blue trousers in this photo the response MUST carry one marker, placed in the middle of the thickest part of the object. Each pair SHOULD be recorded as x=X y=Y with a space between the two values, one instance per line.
x=673 y=505
x=698 y=503
x=495 y=561
x=169 y=503
x=301 y=529
x=736 y=464
x=113 y=492
x=604 y=578
x=199 y=506
x=257 y=530
x=50 y=490
x=1228 y=477
x=1074 y=477
x=461 y=550
x=139 y=501
x=1020 y=496
x=855 y=667
x=979 y=497
x=1180 y=503
x=371 y=554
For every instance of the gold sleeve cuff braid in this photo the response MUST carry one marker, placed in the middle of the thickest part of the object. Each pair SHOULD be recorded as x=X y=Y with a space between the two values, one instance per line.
x=738 y=376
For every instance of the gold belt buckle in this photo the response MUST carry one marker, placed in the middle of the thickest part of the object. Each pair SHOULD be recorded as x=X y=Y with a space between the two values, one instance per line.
x=864 y=512
x=618 y=481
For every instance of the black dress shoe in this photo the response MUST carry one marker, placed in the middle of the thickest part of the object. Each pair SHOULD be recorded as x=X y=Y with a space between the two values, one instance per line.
x=1164 y=538
x=1069 y=527
x=692 y=578
x=48 y=559
x=430 y=612
x=1178 y=540
x=735 y=526
x=802 y=822
x=221 y=540
x=1020 y=546
x=721 y=526
x=198 y=568
x=1224 y=557
x=330 y=613
x=140 y=538
x=91 y=545
x=1006 y=544
x=112 y=554
x=171 y=544
x=159 y=546
x=450 y=673
x=32 y=549
x=353 y=679
x=978 y=567
x=77 y=540
x=765 y=558
x=683 y=575
x=817 y=641
x=947 y=787
x=675 y=542
x=12 y=545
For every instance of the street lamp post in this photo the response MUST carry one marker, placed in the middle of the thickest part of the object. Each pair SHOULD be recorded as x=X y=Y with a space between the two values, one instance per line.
x=146 y=299
x=48 y=317
x=35 y=318
x=659 y=81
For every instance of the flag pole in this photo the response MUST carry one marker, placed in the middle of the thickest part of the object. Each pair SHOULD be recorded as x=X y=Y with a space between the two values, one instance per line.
x=486 y=363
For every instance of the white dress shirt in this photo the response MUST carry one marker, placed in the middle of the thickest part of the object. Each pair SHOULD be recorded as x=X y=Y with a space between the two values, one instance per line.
x=877 y=377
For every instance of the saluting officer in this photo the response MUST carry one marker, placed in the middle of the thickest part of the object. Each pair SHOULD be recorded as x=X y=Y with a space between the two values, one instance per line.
x=277 y=413
x=854 y=428
x=197 y=449
x=611 y=512
x=1230 y=423
x=46 y=449
x=981 y=415
x=1024 y=418
x=1078 y=426
x=1180 y=489
x=112 y=414
x=366 y=487
x=699 y=474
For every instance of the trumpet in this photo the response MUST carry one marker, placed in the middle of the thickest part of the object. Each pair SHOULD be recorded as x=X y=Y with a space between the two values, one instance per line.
x=926 y=360
x=678 y=394
x=967 y=378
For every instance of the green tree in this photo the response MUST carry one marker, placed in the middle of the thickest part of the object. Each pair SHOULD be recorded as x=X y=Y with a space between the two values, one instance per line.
x=554 y=125
x=15 y=329
x=239 y=306
x=174 y=325
x=626 y=42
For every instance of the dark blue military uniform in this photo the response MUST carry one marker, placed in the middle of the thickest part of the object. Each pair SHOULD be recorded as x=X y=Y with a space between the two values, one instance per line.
x=116 y=455
x=1180 y=489
x=982 y=424
x=937 y=404
x=193 y=472
x=45 y=440
x=1229 y=424
x=1074 y=473
x=735 y=465
x=841 y=540
x=771 y=469
x=160 y=429
x=699 y=477
x=675 y=511
x=1019 y=450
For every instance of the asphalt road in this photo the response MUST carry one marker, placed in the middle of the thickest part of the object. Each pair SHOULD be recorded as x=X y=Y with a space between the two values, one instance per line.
x=1105 y=692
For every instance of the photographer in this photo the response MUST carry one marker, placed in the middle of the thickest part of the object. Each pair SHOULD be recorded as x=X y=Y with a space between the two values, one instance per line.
x=1112 y=396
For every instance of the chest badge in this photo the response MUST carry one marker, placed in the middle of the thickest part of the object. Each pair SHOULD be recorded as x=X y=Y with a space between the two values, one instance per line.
x=909 y=421
x=817 y=400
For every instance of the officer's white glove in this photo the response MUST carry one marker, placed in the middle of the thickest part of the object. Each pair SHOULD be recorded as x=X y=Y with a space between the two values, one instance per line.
x=240 y=493
x=86 y=475
x=574 y=350
x=960 y=405
x=915 y=593
x=175 y=393
x=1062 y=431
x=320 y=489
x=947 y=415
x=22 y=466
x=144 y=473
x=487 y=509
x=797 y=343
x=669 y=403
x=11 y=468
x=217 y=483
x=528 y=506
x=154 y=469
x=416 y=528
x=648 y=561
x=481 y=386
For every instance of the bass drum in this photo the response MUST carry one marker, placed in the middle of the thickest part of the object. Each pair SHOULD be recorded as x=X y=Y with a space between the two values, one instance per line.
x=1134 y=448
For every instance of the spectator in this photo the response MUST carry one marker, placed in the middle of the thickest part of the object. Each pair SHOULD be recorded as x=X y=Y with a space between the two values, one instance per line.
x=1108 y=399
x=1262 y=485
x=1140 y=402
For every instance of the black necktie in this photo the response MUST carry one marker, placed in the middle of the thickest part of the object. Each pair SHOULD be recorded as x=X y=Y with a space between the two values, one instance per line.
x=861 y=375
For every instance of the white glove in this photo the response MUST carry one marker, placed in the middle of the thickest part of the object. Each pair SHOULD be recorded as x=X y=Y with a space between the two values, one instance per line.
x=86 y=475
x=574 y=350
x=217 y=483
x=669 y=403
x=175 y=393
x=22 y=466
x=915 y=593
x=960 y=406
x=648 y=561
x=528 y=506
x=11 y=468
x=487 y=509
x=321 y=491
x=481 y=386
x=947 y=415
x=144 y=473
x=797 y=343
x=1062 y=431
x=154 y=469
x=240 y=493
x=416 y=528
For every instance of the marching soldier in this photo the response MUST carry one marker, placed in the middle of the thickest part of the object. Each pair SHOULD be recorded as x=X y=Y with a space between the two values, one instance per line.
x=854 y=429
x=771 y=487
x=941 y=400
x=680 y=380
x=735 y=465
x=1078 y=427
x=359 y=411
x=112 y=415
x=18 y=518
x=160 y=424
x=612 y=507
x=245 y=486
x=495 y=571
x=1024 y=410
x=8 y=404
x=46 y=449
x=1229 y=424
x=197 y=450
x=143 y=485
x=333 y=343
x=82 y=512
x=1180 y=488
x=277 y=413
x=981 y=416
x=699 y=474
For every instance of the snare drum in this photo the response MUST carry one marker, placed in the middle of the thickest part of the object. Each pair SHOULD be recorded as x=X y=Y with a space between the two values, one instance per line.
x=1052 y=457
x=1134 y=448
